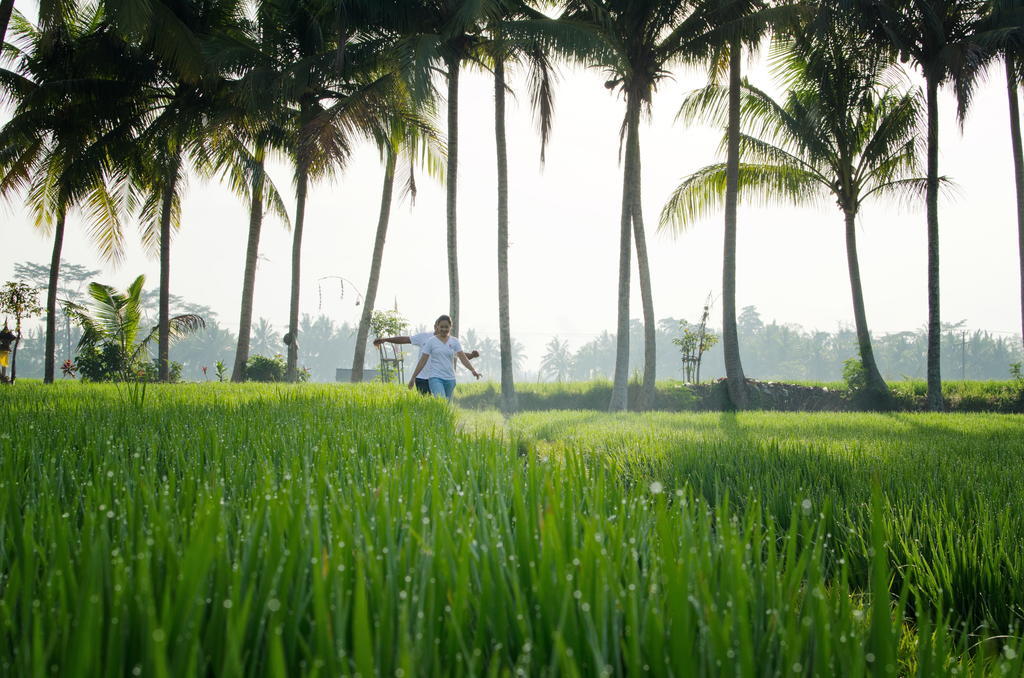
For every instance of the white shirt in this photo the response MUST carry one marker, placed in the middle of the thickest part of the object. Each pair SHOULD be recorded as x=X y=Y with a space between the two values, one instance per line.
x=418 y=340
x=441 y=360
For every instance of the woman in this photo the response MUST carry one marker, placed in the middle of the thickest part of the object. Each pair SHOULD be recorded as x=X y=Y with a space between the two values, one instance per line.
x=437 y=360
x=418 y=340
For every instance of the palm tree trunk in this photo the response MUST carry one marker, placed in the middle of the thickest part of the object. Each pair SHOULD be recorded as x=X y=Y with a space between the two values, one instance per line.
x=6 y=7
x=163 y=333
x=935 y=403
x=291 y=369
x=508 y=389
x=51 y=301
x=620 y=383
x=736 y=381
x=647 y=392
x=452 y=178
x=877 y=391
x=249 y=276
x=378 y=255
x=1018 y=169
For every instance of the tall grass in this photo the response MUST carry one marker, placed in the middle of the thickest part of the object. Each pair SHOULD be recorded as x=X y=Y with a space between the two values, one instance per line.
x=953 y=484
x=351 y=530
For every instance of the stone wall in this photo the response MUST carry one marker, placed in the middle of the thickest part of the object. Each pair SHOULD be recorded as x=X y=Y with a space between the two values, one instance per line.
x=772 y=395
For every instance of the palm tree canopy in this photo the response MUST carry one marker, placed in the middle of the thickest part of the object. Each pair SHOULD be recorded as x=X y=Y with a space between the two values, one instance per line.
x=71 y=111
x=644 y=38
x=846 y=129
x=945 y=38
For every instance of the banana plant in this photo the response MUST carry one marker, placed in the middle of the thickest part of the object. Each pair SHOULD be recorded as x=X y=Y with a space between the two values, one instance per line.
x=111 y=323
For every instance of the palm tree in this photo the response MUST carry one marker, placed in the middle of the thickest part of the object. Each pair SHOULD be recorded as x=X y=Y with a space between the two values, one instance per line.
x=69 y=107
x=490 y=356
x=242 y=161
x=445 y=33
x=265 y=341
x=334 y=75
x=750 y=21
x=941 y=37
x=557 y=360
x=842 y=131
x=185 y=94
x=642 y=39
x=518 y=33
x=116 y=317
x=1013 y=80
x=238 y=151
x=411 y=140
x=244 y=131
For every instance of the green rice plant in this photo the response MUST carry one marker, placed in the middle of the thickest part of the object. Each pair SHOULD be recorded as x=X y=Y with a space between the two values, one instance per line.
x=303 y=530
x=956 y=515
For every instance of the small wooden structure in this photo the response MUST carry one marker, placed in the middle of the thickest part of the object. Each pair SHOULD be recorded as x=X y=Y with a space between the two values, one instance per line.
x=392 y=363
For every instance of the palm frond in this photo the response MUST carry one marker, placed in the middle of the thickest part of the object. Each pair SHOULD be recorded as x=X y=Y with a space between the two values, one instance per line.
x=758 y=152
x=44 y=191
x=108 y=311
x=132 y=311
x=910 y=193
x=149 y=223
x=103 y=210
x=181 y=326
x=275 y=202
x=541 y=78
x=894 y=122
x=703 y=192
x=91 y=334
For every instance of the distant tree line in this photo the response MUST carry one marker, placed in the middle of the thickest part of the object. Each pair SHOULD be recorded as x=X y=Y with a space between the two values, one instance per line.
x=775 y=351
x=786 y=351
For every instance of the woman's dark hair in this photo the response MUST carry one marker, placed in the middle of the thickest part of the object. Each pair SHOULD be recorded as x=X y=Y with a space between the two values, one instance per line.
x=444 y=317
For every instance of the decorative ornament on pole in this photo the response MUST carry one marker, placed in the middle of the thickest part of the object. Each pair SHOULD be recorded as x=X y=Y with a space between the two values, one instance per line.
x=341 y=289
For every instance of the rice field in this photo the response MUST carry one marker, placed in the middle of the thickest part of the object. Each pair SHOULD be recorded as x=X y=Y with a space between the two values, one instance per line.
x=362 y=530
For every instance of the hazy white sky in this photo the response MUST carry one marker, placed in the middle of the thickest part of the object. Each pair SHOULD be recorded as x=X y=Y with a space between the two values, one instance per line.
x=564 y=232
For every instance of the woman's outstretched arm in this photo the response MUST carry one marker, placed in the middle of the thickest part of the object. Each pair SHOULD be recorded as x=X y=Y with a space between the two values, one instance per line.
x=394 y=340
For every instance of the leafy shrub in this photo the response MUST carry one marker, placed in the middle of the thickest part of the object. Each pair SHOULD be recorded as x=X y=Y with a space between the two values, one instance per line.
x=854 y=374
x=107 y=363
x=262 y=368
x=101 y=362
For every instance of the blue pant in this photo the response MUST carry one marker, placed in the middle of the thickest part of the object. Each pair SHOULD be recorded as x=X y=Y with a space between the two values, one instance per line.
x=443 y=388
